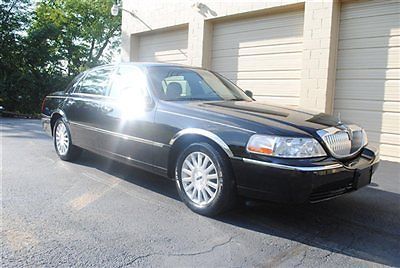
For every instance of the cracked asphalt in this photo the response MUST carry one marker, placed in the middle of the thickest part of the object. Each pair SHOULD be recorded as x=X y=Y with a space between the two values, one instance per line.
x=95 y=212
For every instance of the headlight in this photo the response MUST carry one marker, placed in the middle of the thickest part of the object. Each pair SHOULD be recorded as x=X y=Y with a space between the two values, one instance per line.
x=285 y=146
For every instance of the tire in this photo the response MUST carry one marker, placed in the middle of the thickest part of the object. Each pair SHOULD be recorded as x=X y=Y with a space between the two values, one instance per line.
x=63 y=142
x=219 y=180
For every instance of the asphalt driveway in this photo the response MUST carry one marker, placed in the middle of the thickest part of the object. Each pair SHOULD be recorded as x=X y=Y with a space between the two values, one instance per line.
x=96 y=212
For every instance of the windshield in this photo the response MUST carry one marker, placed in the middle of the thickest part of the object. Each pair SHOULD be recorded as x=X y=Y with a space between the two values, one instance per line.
x=180 y=84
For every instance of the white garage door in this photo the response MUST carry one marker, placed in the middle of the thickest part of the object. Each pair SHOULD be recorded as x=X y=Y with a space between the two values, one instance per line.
x=262 y=54
x=368 y=71
x=168 y=46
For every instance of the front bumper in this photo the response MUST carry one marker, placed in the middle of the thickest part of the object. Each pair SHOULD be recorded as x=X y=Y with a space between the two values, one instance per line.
x=291 y=183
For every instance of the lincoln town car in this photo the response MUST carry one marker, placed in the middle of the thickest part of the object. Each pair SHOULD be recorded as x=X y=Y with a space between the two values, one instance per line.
x=213 y=139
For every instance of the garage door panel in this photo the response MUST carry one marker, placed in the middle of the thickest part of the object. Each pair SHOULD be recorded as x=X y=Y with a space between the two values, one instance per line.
x=352 y=6
x=158 y=52
x=368 y=105
x=166 y=58
x=275 y=87
x=384 y=138
x=233 y=43
x=379 y=90
x=368 y=74
x=290 y=101
x=260 y=23
x=260 y=50
x=164 y=37
x=362 y=10
x=262 y=54
x=261 y=75
x=391 y=151
x=369 y=58
x=367 y=89
x=372 y=42
x=382 y=26
x=257 y=62
x=257 y=38
x=170 y=46
x=385 y=122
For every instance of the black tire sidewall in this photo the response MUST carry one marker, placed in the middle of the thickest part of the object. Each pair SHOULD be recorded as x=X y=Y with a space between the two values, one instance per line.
x=224 y=192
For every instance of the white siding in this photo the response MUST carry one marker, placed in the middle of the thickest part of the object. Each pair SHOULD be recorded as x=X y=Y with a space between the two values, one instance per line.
x=368 y=71
x=262 y=54
x=168 y=46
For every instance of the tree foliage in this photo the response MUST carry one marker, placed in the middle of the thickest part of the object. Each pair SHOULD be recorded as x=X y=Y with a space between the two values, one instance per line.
x=43 y=44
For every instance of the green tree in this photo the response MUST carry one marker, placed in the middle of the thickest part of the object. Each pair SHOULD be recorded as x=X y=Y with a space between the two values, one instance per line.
x=45 y=43
x=82 y=31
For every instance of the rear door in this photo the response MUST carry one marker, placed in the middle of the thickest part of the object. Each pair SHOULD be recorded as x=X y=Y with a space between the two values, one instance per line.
x=82 y=107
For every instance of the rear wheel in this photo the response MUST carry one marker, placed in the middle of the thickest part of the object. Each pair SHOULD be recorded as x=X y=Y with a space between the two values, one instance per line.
x=204 y=179
x=63 y=143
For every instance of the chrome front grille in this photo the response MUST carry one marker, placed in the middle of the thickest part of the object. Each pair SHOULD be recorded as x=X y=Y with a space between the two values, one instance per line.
x=343 y=141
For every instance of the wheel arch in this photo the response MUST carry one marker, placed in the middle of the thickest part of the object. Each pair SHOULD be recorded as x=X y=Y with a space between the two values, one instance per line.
x=192 y=135
x=54 y=117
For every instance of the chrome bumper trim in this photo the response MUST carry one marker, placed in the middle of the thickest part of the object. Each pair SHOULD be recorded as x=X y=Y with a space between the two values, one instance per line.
x=297 y=168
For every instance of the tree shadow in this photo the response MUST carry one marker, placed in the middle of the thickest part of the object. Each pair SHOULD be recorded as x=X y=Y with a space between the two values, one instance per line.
x=362 y=225
x=205 y=11
x=22 y=129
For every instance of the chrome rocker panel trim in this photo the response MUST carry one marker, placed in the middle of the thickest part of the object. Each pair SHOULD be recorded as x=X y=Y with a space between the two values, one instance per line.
x=122 y=136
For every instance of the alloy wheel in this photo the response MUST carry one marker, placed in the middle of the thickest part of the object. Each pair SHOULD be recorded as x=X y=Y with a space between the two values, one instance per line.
x=200 y=178
x=62 y=139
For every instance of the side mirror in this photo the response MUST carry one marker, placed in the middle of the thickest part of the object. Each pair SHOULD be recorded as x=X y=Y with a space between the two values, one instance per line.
x=249 y=93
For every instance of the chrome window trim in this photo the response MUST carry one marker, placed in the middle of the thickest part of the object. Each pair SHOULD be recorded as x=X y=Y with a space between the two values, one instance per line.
x=205 y=133
x=122 y=136
x=78 y=85
x=288 y=167
x=56 y=97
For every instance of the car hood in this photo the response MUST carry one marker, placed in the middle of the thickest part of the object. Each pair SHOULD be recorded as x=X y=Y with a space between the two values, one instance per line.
x=265 y=118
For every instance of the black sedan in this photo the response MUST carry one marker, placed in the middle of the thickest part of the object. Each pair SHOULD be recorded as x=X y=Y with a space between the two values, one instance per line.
x=198 y=128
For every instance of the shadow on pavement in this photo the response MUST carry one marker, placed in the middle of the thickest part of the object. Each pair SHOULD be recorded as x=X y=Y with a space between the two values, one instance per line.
x=363 y=225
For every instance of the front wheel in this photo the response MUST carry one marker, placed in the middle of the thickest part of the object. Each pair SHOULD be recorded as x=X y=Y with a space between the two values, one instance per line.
x=204 y=179
x=63 y=143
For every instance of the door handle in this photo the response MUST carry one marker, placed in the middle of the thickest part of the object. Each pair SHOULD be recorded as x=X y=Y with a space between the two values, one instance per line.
x=107 y=109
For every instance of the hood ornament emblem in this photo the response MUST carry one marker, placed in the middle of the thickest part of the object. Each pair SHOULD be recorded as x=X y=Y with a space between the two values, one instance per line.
x=338 y=118
x=344 y=127
x=347 y=130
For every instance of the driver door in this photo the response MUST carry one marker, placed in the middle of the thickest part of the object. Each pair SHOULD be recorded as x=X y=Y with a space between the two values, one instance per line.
x=127 y=116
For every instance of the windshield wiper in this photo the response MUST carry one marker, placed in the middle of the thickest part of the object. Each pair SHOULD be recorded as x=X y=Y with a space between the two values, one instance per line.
x=189 y=99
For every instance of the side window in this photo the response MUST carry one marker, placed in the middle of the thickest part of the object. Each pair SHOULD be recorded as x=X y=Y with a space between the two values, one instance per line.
x=128 y=82
x=95 y=82
x=71 y=86
x=184 y=85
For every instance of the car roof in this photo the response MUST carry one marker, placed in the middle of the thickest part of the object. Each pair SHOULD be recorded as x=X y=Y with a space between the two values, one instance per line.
x=160 y=64
x=142 y=65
